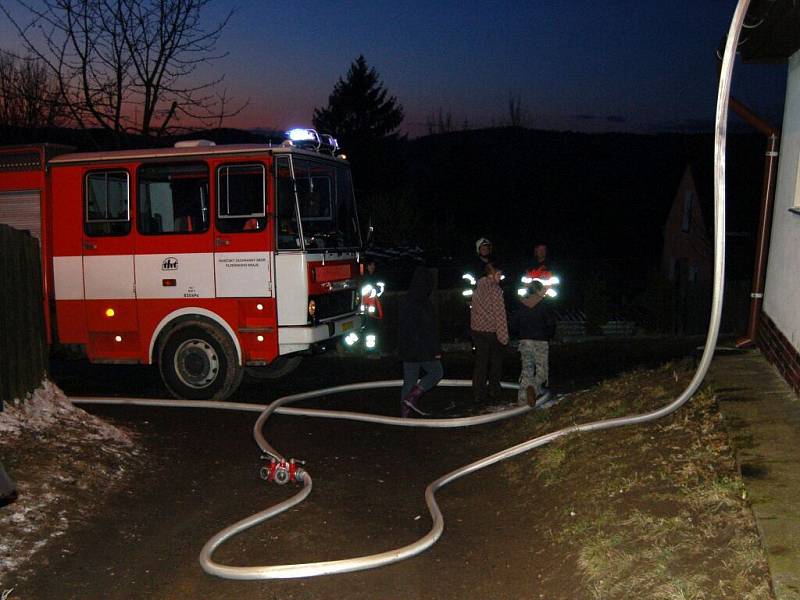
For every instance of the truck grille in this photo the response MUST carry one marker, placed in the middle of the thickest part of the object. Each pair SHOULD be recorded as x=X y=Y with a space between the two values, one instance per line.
x=335 y=304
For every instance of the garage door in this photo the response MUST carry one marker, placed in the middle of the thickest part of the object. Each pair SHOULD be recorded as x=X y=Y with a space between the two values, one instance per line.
x=21 y=211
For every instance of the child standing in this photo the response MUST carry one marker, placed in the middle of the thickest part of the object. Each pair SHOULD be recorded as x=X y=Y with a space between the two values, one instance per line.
x=535 y=324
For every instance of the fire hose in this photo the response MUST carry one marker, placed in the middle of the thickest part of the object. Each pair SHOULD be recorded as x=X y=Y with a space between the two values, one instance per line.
x=404 y=552
x=281 y=470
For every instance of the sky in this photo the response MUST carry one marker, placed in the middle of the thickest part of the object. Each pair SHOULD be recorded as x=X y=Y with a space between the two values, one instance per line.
x=578 y=65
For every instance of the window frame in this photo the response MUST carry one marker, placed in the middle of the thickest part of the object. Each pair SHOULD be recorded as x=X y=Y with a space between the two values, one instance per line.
x=264 y=201
x=276 y=165
x=795 y=207
x=87 y=221
x=170 y=164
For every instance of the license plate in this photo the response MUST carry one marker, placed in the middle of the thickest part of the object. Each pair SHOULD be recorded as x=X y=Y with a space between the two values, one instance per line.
x=347 y=325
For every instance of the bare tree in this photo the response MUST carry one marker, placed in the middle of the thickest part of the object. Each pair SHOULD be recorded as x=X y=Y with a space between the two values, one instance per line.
x=439 y=123
x=28 y=95
x=515 y=111
x=127 y=65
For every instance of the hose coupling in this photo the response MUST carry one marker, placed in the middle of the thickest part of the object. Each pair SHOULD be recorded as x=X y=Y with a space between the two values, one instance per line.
x=283 y=471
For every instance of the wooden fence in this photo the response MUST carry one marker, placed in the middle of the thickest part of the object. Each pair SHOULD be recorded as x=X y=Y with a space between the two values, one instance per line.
x=23 y=346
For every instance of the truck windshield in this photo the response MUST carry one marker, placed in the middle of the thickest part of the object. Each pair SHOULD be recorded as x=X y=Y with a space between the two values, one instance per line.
x=326 y=204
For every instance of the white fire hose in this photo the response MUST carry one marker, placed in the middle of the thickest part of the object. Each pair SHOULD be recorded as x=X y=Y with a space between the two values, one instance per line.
x=404 y=552
x=277 y=407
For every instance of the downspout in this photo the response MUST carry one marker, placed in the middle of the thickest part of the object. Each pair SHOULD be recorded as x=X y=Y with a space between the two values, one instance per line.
x=765 y=218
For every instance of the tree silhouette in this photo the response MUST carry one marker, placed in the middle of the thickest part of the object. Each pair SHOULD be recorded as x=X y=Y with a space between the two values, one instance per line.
x=126 y=66
x=359 y=112
x=29 y=96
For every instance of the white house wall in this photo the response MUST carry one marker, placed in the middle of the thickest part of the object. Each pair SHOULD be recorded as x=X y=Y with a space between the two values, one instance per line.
x=782 y=290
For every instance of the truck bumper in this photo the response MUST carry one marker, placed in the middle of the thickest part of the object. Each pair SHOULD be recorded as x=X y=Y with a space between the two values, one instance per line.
x=298 y=339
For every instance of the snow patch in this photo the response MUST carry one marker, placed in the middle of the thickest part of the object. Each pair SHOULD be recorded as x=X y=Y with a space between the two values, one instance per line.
x=66 y=462
x=48 y=406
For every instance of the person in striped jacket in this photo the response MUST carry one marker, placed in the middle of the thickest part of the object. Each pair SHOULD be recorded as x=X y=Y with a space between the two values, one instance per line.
x=489 y=328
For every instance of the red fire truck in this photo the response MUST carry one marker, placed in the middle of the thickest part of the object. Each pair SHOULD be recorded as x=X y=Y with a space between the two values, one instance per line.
x=204 y=259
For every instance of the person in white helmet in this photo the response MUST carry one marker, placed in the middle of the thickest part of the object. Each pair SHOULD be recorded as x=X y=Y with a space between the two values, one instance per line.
x=483 y=247
x=475 y=270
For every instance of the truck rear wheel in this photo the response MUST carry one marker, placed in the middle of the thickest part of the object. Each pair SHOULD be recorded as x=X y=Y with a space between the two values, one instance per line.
x=198 y=362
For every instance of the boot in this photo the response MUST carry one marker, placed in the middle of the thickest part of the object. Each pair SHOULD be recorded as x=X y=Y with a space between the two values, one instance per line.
x=411 y=402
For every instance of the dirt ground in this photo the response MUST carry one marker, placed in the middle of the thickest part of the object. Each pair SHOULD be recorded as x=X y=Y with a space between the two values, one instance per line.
x=655 y=511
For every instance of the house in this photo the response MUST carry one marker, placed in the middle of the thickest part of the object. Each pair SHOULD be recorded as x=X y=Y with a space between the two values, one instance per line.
x=774 y=35
x=687 y=254
x=688 y=250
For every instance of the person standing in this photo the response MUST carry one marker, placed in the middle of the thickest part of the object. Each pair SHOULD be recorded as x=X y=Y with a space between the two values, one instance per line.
x=371 y=291
x=474 y=270
x=540 y=271
x=489 y=328
x=418 y=343
x=541 y=267
x=485 y=251
x=535 y=324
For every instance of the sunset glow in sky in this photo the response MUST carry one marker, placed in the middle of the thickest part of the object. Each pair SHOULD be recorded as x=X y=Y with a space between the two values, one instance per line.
x=580 y=64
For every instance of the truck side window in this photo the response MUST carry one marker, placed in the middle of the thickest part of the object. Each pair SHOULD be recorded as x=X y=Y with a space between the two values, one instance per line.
x=173 y=199
x=288 y=234
x=107 y=203
x=241 y=198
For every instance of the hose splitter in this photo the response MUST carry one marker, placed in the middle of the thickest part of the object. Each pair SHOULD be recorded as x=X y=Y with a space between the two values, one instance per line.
x=282 y=471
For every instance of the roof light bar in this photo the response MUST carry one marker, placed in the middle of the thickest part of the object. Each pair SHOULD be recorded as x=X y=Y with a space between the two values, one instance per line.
x=302 y=135
x=309 y=138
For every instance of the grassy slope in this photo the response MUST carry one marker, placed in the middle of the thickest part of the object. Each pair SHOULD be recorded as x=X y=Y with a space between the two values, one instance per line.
x=656 y=511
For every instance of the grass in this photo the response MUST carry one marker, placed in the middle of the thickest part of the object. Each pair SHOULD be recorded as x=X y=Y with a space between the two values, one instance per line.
x=655 y=511
x=550 y=459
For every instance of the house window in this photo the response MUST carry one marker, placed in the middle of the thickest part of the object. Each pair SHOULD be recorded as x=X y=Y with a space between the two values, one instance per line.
x=688 y=203
x=107 y=204
x=241 y=198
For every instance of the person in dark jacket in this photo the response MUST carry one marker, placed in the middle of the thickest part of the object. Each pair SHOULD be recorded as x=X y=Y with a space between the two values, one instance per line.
x=535 y=325
x=418 y=342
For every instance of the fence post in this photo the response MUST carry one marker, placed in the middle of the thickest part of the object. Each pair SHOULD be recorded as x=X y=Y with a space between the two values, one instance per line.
x=23 y=353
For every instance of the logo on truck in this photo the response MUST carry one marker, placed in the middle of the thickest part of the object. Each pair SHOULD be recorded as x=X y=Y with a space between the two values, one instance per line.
x=169 y=264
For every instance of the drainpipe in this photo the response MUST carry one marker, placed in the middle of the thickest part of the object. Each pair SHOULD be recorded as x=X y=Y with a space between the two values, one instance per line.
x=765 y=218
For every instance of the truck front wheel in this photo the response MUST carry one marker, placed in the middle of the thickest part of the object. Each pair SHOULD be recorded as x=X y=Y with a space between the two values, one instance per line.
x=198 y=362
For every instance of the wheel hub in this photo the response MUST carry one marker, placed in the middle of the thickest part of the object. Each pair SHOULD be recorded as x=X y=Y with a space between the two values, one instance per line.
x=196 y=363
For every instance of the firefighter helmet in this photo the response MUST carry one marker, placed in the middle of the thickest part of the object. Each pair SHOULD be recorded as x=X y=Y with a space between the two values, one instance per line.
x=481 y=242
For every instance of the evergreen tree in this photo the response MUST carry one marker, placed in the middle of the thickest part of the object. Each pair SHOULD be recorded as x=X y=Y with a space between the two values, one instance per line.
x=358 y=112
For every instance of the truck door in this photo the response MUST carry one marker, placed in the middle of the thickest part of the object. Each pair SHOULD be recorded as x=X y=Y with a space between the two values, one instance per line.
x=242 y=260
x=174 y=243
x=108 y=271
x=243 y=257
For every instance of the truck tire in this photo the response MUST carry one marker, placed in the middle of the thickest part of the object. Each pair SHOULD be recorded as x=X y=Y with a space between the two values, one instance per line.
x=281 y=366
x=198 y=361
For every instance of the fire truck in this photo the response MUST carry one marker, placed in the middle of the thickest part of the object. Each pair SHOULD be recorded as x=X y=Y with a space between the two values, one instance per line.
x=203 y=259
